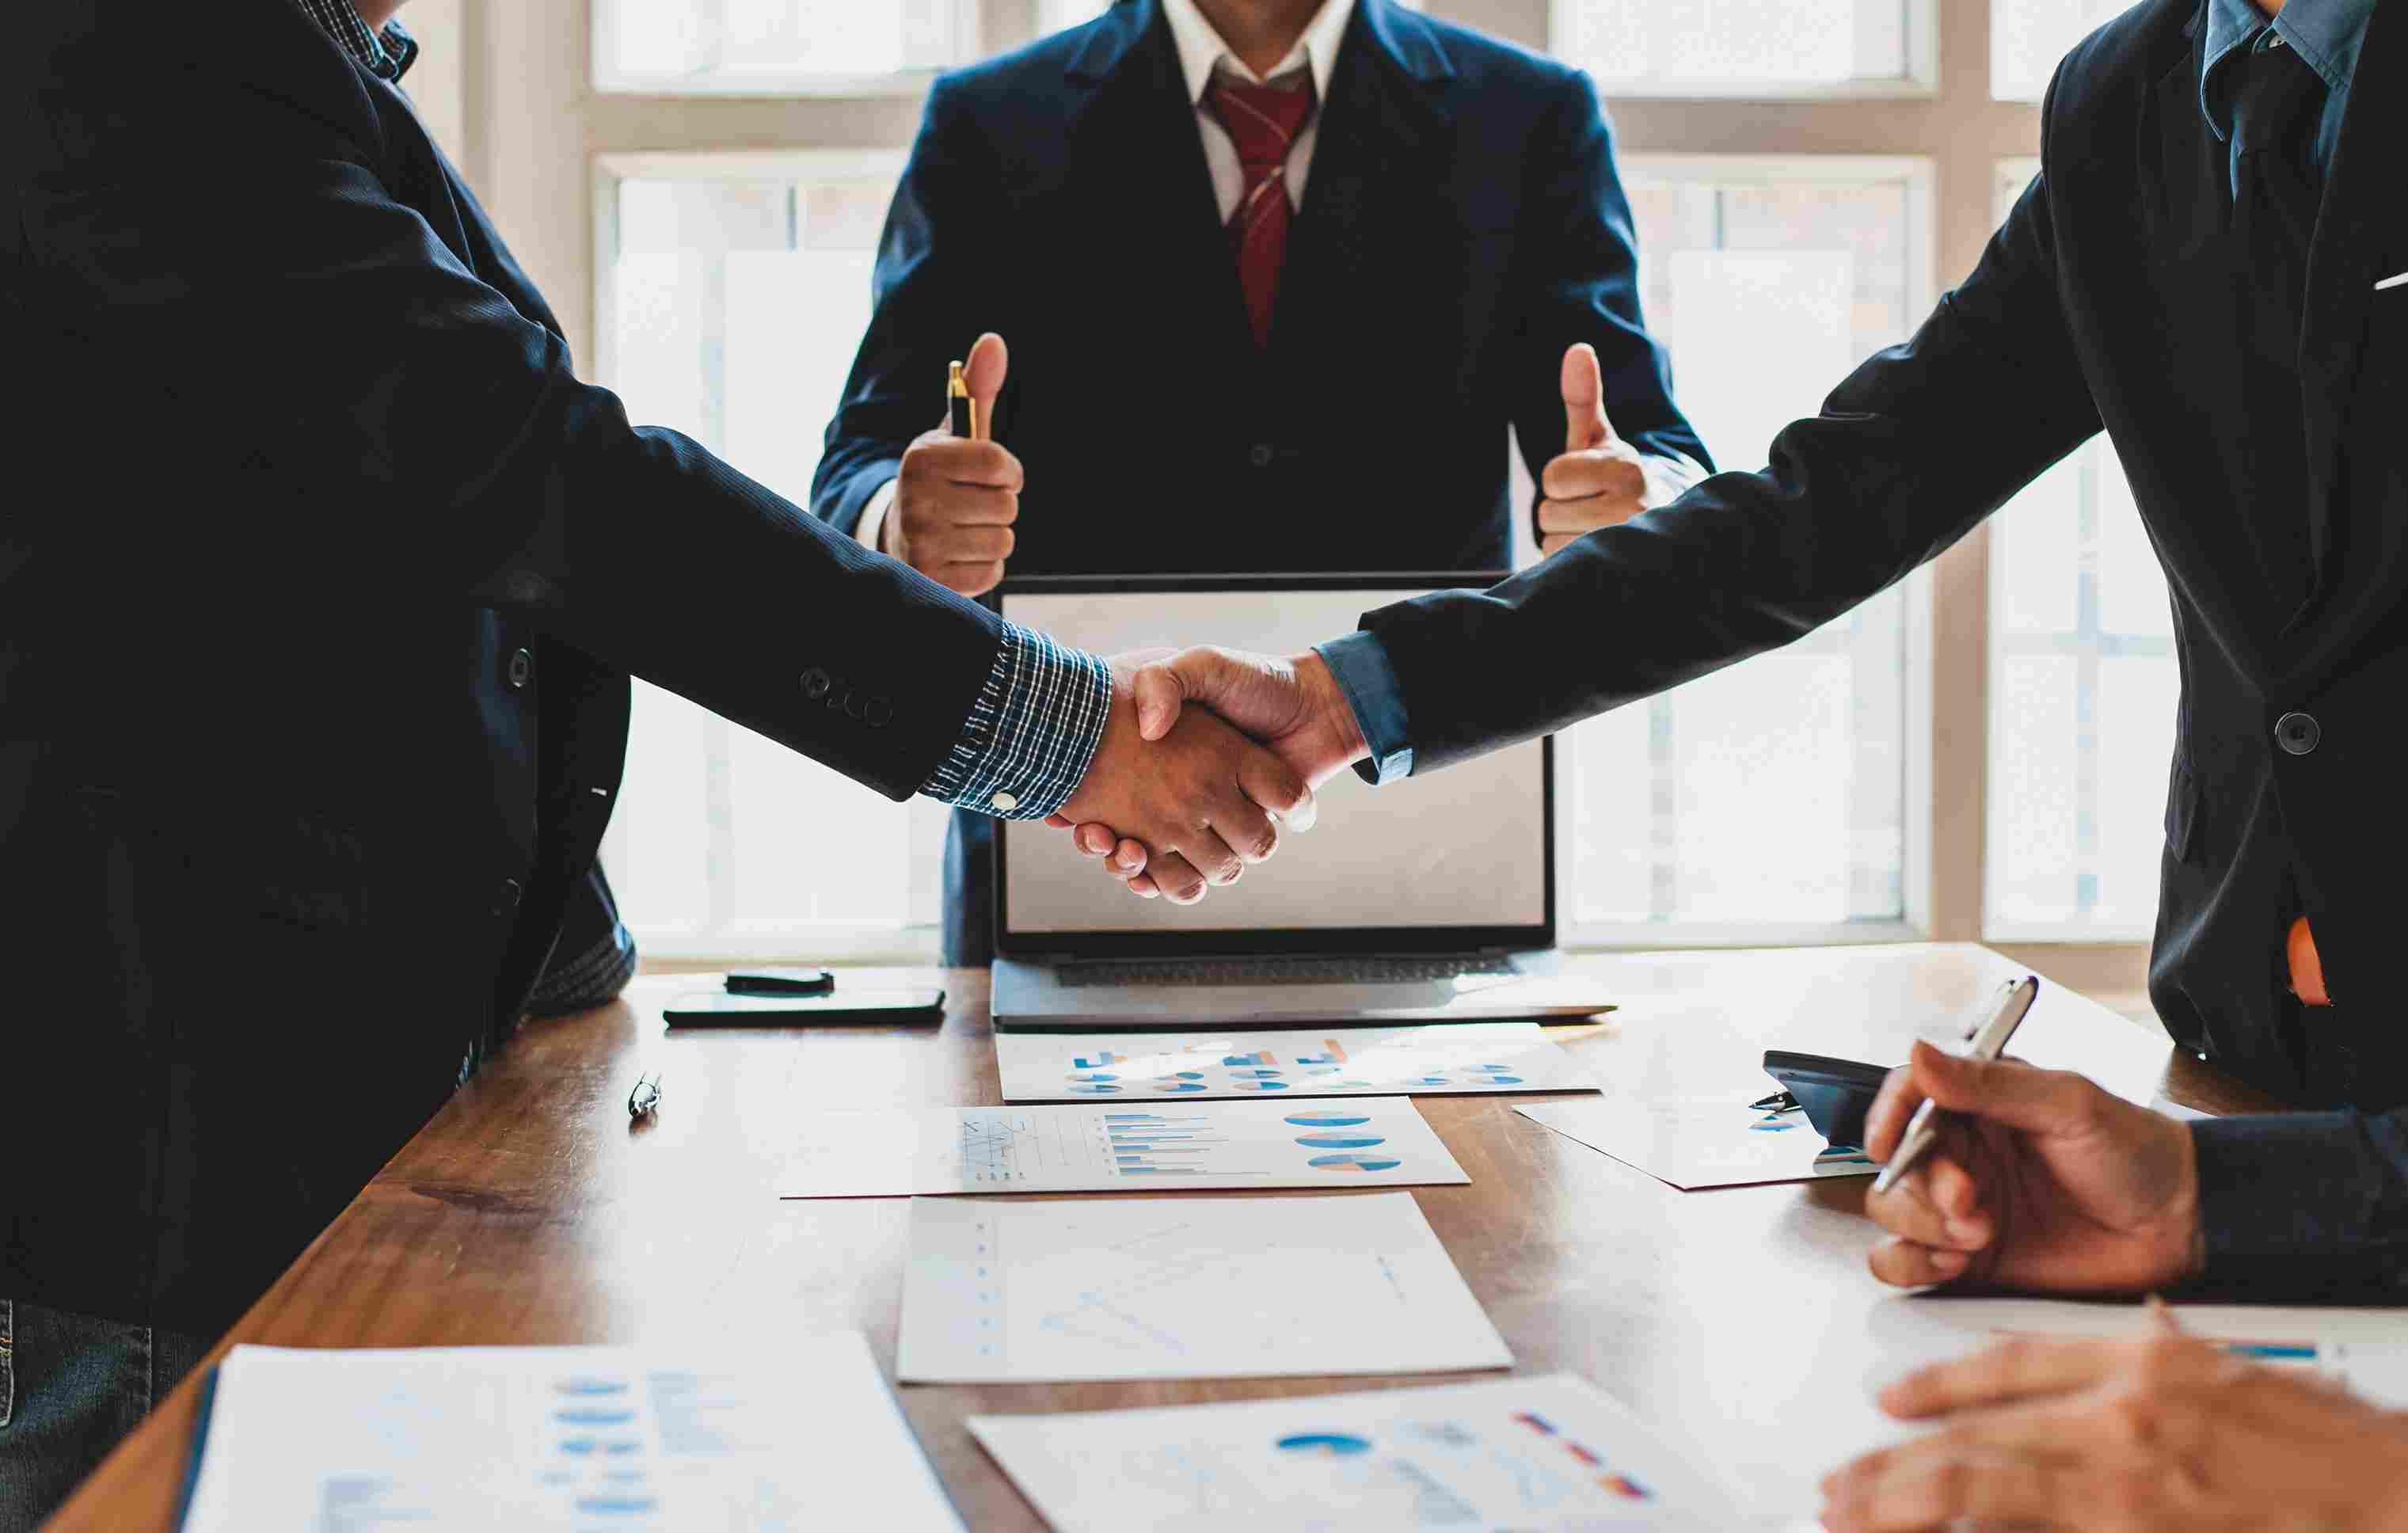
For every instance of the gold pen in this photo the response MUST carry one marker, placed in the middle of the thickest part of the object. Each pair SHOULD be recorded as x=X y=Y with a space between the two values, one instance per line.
x=963 y=417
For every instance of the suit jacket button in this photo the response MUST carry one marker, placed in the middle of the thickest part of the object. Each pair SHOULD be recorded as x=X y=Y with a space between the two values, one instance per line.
x=1261 y=455
x=877 y=712
x=816 y=683
x=521 y=669
x=2298 y=733
x=854 y=705
x=506 y=899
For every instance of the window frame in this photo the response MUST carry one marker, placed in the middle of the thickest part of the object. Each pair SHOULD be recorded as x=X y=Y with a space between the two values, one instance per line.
x=540 y=131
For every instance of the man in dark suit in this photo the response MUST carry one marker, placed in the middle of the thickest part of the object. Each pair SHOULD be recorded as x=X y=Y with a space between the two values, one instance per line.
x=1277 y=275
x=2213 y=267
x=321 y=579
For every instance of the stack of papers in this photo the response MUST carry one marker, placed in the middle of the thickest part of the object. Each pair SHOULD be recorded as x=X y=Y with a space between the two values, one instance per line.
x=1147 y=1147
x=1184 y=1288
x=1544 y=1454
x=1447 y=1058
x=505 y=1439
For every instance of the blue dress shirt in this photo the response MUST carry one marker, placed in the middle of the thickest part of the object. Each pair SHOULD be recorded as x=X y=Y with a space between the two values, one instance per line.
x=2324 y=34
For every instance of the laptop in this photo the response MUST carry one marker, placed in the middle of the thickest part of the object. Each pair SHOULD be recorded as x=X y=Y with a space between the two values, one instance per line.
x=1432 y=899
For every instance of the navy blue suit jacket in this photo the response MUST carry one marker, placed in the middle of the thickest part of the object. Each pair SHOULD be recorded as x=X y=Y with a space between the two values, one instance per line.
x=320 y=579
x=1463 y=226
x=2116 y=296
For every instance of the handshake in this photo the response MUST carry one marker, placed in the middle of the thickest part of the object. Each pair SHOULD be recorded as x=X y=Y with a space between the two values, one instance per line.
x=1177 y=799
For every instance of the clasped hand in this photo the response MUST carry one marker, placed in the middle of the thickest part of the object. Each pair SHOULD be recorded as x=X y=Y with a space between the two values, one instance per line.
x=1178 y=800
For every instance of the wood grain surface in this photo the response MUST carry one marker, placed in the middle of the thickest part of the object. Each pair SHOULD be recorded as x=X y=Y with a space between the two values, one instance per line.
x=529 y=1210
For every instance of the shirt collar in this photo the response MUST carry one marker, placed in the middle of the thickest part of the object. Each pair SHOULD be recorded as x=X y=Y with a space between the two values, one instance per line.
x=387 y=53
x=1202 y=49
x=2325 y=35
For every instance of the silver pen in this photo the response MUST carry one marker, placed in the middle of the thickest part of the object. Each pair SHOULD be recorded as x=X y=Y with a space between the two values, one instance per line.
x=1987 y=1040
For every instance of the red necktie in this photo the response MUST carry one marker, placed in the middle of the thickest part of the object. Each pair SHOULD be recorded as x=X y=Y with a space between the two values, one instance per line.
x=1262 y=121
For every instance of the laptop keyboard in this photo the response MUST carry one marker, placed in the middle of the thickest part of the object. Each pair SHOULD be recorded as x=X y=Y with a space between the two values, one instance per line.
x=1371 y=969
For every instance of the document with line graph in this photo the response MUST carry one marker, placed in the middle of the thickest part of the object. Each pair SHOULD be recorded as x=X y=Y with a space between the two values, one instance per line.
x=1183 y=1288
x=1119 y=1147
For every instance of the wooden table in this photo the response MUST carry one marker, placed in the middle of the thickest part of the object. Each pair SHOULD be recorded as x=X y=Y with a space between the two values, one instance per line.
x=529 y=1210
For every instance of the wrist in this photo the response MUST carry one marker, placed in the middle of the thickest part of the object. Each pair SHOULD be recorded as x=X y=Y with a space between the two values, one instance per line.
x=1329 y=700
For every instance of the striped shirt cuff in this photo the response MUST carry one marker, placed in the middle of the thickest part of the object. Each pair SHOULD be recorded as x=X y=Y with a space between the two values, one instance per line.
x=1032 y=731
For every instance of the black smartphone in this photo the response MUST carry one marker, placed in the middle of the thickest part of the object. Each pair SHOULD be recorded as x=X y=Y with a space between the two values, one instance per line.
x=718 y=1008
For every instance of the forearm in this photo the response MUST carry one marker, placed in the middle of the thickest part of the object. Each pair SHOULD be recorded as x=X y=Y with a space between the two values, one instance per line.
x=2309 y=1206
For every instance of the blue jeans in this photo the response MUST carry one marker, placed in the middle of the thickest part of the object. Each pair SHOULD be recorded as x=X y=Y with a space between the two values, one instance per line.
x=70 y=1387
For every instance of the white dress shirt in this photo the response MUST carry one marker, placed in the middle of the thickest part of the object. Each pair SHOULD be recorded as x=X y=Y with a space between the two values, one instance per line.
x=1201 y=55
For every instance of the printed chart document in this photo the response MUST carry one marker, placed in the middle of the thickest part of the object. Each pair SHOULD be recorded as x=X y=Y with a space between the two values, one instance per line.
x=1545 y=1453
x=2364 y=1349
x=1184 y=1288
x=1442 y=1059
x=1703 y=1141
x=1077 y=1149
x=500 y=1439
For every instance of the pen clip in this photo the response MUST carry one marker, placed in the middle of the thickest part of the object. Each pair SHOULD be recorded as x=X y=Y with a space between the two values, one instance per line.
x=645 y=1095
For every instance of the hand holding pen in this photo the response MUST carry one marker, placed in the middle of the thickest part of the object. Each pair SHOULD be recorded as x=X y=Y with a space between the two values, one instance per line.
x=958 y=493
x=2033 y=1179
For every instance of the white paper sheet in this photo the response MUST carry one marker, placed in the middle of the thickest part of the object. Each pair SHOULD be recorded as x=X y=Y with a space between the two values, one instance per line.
x=2365 y=1348
x=1184 y=1288
x=1546 y=1453
x=1703 y=1141
x=1122 y=1147
x=1442 y=1059
x=503 y=1440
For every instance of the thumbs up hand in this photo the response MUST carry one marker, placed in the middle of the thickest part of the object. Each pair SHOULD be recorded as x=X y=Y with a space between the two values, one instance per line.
x=955 y=500
x=1599 y=481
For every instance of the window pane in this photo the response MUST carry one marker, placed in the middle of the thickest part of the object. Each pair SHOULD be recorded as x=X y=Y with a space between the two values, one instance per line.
x=1772 y=792
x=2083 y=689
x=2027 y=38
x=1720 y=46
x=732 y=308
x=755 y=45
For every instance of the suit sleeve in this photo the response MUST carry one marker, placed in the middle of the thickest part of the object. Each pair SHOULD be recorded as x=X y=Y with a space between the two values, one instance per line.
x=369 y=416
x=924 y=292
x=1909 y=454
x=2309 y=1206
x=1578 y=279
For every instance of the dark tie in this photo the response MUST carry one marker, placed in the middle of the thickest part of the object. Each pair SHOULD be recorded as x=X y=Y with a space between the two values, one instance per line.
x=2275 y=197
x=1262 y=121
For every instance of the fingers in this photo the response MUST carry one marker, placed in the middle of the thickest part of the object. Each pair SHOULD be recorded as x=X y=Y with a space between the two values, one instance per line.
x=1160 y=692
x=1612 y=474
x=2006 y=1091
x=1094 y=840
x=1209 y=851
x=2017 y=1369
x=1175 y=879
x=1584 y=389
x=983 y=372
x=1903 y=1264
x=1893 y=1106
x=1936 y=1488
x=1127 y=860
x=941 y=459
x=1273 y=784
x=969 y=580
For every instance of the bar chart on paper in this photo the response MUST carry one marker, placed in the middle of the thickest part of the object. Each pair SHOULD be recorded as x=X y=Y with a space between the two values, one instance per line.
x=1442 y=1059
x=1183 y=1288
x=1077 y=1147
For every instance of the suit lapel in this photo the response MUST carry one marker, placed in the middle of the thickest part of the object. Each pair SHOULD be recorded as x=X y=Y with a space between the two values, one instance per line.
x=2193 y=187
x=1381 y=153
x=2361 y=222
x=1136 y=141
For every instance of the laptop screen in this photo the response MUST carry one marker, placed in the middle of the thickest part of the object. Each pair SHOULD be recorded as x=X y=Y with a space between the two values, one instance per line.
x=1458 y=859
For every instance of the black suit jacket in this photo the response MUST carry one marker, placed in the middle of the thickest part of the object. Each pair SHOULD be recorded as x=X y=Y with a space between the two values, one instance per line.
x=2108 y=299
x=1463 y=224
x=306 y=467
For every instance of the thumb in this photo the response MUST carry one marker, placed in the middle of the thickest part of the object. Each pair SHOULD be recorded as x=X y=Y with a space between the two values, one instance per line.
x=1584 y=384
x=2004 y=1090
x=1206 y=675
x=989 y=360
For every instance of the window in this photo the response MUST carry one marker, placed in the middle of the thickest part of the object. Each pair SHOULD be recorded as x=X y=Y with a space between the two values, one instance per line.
x=2029 y=36
x=699 y=185
x=1772 y=792
x=1749 y=47
x=2083 y=687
